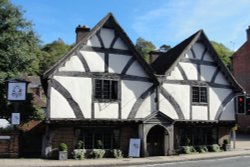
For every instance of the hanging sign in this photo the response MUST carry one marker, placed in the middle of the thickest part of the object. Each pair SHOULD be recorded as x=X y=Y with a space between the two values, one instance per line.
x=16 y=89
x=15 y=118
x=134 y=147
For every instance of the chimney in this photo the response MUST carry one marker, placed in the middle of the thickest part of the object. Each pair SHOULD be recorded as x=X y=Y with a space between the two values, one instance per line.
x=81 y=32
x=248 y=34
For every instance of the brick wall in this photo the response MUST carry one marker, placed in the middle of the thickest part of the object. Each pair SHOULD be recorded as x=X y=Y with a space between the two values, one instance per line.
x=9 y=148
x=63 y=135
x=127 y=132
x=243 y=123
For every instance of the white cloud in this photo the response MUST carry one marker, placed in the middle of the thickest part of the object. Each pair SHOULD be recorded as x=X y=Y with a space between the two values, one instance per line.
x=172 y=22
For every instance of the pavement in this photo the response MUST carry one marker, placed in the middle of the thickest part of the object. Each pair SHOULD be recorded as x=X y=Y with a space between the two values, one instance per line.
x=242 y=149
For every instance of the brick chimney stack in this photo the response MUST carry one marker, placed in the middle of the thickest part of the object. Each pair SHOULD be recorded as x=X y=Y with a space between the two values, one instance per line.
x=248 y=34
x=81 y=32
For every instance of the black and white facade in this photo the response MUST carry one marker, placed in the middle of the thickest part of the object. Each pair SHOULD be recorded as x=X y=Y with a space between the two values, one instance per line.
x=103 y=90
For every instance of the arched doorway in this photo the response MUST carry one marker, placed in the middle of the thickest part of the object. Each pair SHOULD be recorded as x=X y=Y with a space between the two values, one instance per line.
x=156 y=141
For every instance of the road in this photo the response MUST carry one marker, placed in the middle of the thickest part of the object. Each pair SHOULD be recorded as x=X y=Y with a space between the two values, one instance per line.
x=243 y=161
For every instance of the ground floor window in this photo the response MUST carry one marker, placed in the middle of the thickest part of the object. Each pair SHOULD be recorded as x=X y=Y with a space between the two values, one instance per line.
x=100 y=138
x=198 y=136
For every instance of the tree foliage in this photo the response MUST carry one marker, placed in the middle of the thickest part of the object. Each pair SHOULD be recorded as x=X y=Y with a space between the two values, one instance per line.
x=144 y=47
x=51 y=53
x=223 y=52
x=19 y=46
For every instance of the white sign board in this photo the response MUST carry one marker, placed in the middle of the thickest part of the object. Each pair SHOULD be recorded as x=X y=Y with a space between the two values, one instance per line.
x=4 y=137
x=16 y=91
x=15 y=118
x=134 y=148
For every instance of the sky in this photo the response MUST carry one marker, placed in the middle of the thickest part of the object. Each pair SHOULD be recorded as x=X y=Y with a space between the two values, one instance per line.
x=159 y=21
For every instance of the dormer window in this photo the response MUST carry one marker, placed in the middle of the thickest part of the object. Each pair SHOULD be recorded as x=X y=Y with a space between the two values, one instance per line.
x=199 y=95
x=106 y=90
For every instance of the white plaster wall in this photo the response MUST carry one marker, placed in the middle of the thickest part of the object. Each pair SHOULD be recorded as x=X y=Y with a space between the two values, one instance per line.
x=136 y=69
x=190 y=70
x=119 y=44
x=73 y=64
x=220 y=79
x=198 y=49
x=208 y=57
x=189 y=55
x=94 y=60
x=107 y=36
x=229 y=111
x=117 y=63
x=106 y=110
x=207 y=72
x=181 y=93
x=93 y=41
x=199 y=113
x=147 y=107
x=216 y=97
x=80 y=90
x=166 y=108
x=175 y=75
x=59 y=106
x=130 y=92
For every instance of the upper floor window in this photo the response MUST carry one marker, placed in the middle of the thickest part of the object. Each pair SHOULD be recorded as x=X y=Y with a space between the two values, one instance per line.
x=106 y=89
x=199 y=94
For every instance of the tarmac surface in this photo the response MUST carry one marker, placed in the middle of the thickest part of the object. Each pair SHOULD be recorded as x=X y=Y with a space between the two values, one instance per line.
x=242 y=149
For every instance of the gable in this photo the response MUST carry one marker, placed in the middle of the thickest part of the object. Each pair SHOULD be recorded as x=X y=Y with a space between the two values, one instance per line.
x=105 y=49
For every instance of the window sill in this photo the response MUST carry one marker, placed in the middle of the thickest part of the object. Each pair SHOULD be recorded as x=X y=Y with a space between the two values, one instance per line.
x=105 y=101
x=199 y=104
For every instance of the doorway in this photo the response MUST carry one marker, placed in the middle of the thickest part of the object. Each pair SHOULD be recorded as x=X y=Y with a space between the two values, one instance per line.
x=155 y=141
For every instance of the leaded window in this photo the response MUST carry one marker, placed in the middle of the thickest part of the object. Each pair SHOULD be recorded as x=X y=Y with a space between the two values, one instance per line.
x=199 y=94
x=106 y=89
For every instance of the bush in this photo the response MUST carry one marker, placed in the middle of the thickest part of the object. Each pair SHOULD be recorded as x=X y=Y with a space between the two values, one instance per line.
x=63 y=147
x=188 y=149
x=117 y=153
x=214 y=148
x=79 y=154
x=202 y=149
x=80 y=144
x=98 y=153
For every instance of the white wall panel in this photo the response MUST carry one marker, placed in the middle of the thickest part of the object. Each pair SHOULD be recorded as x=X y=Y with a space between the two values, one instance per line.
x=199 y=113
x=131 y=91
x=181 y=93
x=117 y=63
x=220 y=79
x=229 y=111
x=147 y=107
x=119 y=44
x=137 y=70
x=80 y=90
x=94 y=60
x=217 y=95
x=107 y=36
x=207 y=72
x=106 y=110
x=175 y=75
x=198 y=49
x=166 y=108
x=59 y=106
x=73 y=64
x=190 y=70
x=93 y=41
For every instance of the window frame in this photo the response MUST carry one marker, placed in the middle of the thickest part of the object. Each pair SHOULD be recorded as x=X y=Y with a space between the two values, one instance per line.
x=106 y=95
x=200 y=95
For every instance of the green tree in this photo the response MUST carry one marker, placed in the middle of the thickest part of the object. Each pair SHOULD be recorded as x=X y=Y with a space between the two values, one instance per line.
x=51 y=53
x=144 y=47
x=19 y=46
x=223 y=52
